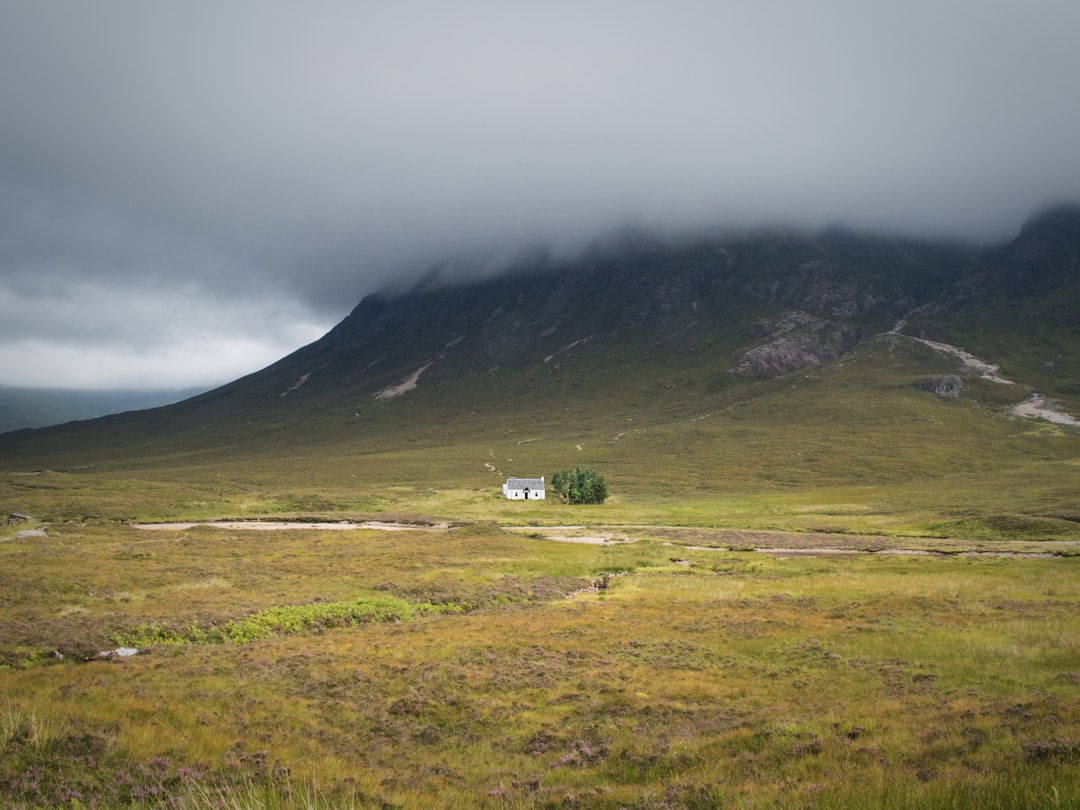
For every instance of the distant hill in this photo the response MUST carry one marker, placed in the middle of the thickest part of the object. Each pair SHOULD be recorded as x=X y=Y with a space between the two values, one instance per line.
x=40 y=407
x=757 y=362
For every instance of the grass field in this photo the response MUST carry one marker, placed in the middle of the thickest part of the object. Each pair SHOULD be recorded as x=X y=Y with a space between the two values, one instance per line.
x=849 y=447
x=497 y=675
x=481 y=667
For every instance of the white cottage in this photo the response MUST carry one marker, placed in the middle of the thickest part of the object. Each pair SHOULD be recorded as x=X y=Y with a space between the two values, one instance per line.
x=524 y=489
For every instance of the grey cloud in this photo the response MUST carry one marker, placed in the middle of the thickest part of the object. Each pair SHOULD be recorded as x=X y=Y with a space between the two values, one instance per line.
x=269 y=152
x=94 y=336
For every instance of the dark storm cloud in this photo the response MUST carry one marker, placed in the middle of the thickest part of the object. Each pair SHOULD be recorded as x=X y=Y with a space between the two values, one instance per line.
x=260 y=166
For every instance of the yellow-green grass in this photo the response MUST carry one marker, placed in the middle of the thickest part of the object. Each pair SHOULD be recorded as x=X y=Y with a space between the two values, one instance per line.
x=696 y=678
x=699 y=677
x=848 y=447
x=452 y=482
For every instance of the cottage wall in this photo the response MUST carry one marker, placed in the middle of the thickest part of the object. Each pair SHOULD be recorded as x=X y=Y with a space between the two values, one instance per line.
x=524 y=489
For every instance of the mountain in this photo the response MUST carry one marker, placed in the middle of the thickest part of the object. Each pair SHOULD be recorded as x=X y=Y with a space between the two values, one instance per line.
x=41 y=407
x=642 y=311
x=761 y=360
x=1021 y=305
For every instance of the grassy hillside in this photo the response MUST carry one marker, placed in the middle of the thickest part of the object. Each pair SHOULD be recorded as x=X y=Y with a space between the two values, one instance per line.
x=690 y=371
x=850 y=446
x=822 y=584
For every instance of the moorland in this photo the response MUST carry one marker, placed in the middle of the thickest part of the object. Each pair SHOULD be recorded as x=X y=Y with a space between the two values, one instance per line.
x=837 y=568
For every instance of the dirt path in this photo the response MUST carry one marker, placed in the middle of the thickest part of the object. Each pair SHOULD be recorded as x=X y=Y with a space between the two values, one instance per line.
x=988 y=371
x=1035 y=407
x=1039 y=407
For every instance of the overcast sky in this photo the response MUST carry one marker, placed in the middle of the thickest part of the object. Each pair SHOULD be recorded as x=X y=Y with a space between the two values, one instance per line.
x=189 y=191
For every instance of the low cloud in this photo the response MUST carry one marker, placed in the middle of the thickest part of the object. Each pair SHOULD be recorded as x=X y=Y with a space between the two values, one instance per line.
x=245 y=156
x=91 y=337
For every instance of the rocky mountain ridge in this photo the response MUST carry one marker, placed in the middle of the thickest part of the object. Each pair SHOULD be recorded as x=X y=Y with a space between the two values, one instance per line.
x=770 y=304
x=762 y=305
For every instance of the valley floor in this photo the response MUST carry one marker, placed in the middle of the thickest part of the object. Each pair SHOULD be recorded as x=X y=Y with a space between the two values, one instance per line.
x=480 y=667
x=698 y=539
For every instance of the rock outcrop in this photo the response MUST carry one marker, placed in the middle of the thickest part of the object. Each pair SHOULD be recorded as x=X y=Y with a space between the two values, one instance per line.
x=948 y=387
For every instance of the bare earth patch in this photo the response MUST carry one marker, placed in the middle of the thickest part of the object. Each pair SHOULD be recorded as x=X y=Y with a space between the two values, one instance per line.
x=408 y=384
x=280 y=525
x=590 y=539
x=574 y=534
x=1036 y=407
x=793 y=544
x=779 y=543
x=1039 y=407
x=988 y=371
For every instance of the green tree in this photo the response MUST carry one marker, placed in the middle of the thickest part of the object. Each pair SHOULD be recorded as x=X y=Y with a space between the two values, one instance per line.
x=580 y=486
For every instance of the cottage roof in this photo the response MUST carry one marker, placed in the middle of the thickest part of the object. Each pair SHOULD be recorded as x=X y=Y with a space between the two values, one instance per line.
x=530 y=484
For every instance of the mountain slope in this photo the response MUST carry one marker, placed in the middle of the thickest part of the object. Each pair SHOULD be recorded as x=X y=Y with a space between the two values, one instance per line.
x=765 y=363
x=1022 y=306
x=630 y=312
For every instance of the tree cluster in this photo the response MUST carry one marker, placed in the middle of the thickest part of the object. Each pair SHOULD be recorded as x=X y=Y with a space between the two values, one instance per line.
x=580 y=486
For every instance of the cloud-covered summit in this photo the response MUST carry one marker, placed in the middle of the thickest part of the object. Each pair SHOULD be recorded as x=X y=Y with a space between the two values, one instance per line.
x=188 y=191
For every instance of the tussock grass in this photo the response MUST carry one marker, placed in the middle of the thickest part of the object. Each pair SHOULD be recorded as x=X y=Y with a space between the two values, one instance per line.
x=31 y=730
x=696 y=678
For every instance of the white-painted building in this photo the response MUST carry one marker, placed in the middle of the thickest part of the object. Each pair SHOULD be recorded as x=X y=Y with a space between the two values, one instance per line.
x=524 y=489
